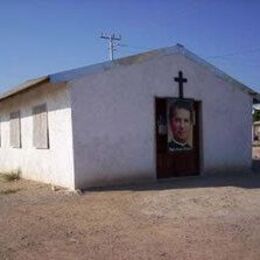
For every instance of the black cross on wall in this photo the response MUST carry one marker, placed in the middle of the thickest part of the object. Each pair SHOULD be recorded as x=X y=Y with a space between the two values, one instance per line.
x=180 y=80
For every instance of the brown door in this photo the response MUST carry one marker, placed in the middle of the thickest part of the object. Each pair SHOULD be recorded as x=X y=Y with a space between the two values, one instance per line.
x=181 y=162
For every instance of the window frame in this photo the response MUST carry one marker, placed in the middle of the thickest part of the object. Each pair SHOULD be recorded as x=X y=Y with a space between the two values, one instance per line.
x=15 y=129
x=40 y=127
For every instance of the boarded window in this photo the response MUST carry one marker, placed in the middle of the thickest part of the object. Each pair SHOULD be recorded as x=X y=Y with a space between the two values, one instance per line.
x=40 y=127
x=15 y=130
x=0 y=132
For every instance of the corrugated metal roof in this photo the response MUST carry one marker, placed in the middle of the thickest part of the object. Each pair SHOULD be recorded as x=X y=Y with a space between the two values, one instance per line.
x=24 y=86
x=142 y=57
x=138 y=58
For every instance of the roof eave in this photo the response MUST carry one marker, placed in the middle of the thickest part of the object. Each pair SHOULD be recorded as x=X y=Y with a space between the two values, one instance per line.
x=24 y=87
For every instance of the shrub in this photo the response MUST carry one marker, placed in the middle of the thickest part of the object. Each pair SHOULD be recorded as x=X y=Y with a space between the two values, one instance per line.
x=12 y=176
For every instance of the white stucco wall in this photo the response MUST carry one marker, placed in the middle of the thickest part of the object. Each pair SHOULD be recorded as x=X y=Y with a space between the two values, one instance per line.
x=53 y=165
x=113 y=120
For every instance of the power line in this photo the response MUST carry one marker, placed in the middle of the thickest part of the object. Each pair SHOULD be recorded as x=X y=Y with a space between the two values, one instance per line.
x=230 y=54
x=225 y=55
x=133 y=47
x=235 y=53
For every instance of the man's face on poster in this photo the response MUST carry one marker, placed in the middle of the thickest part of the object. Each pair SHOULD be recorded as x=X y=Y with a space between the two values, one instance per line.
x=181 y=124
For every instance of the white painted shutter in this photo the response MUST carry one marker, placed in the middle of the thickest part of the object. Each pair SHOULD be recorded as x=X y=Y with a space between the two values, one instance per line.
x=15 y=130
x=40 y=127
x=0 y=132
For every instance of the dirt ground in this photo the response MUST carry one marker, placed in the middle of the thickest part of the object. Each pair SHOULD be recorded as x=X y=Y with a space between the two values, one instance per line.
x=190 y=218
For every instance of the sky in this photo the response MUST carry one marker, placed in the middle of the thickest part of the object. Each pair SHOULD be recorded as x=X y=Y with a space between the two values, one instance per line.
x=41 y=37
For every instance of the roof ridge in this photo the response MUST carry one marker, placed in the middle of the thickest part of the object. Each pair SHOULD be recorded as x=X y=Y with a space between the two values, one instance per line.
x=71 y=74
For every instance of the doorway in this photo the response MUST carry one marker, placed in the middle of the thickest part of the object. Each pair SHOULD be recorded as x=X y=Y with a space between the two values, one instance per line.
x=176 y=162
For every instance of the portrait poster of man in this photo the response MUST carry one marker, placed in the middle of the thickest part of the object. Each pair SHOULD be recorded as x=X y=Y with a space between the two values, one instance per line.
x=180 y=114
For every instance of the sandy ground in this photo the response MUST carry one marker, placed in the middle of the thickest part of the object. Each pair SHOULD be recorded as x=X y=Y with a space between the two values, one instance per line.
x=190 y=218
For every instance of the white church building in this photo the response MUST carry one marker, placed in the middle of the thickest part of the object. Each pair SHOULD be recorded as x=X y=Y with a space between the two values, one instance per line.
x=109 y=123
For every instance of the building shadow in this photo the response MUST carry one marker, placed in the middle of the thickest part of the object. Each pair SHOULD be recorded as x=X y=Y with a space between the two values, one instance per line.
x=248 y=180
x=256 y=165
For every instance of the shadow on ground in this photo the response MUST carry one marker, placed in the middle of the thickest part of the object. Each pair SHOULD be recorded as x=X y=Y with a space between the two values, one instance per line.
x=256 y=166
x=249 y=180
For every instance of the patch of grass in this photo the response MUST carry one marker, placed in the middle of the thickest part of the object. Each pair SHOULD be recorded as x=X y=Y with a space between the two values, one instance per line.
x=9 y=177
x=8 y=191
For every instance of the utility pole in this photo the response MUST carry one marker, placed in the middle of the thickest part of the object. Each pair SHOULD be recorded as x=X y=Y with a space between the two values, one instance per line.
x=111 y=43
